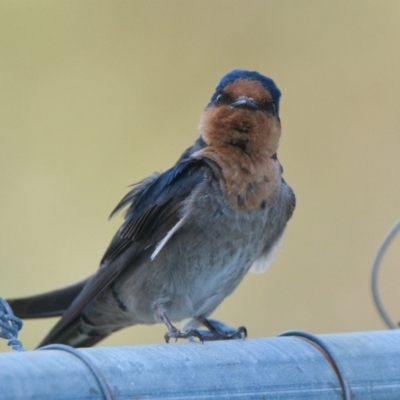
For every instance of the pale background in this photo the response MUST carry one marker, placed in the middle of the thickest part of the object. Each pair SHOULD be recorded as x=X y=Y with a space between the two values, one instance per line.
x=95 y=95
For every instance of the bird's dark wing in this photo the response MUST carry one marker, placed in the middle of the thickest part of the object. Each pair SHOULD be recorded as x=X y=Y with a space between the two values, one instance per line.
x=154 y=203
x=154 y=207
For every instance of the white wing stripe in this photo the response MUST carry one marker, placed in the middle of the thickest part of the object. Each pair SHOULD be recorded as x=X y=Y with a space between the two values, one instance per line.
x=162 y=243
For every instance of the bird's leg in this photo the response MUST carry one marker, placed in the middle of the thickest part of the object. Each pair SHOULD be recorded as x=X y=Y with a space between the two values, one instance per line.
x=174 y=332
x=220 y=331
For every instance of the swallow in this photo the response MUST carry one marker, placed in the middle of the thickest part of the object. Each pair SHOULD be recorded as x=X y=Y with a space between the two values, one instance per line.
x=191 y=233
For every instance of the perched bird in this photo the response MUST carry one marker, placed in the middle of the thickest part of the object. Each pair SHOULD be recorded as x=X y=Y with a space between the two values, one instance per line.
x=190 y=234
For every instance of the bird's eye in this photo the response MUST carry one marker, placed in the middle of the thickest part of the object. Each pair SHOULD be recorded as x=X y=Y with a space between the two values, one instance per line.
x=269 y=107
x=223 y=98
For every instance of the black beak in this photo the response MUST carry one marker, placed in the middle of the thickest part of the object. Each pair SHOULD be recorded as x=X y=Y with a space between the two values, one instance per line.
x=245 y=103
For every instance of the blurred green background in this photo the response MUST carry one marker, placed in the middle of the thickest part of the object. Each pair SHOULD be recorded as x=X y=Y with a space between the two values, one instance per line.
x=95 y=95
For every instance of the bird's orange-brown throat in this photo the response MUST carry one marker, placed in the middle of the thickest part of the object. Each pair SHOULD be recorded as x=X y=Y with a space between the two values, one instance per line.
x=243 y=142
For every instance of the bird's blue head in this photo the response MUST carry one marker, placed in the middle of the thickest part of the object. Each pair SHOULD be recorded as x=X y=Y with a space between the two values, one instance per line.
x=237 y=74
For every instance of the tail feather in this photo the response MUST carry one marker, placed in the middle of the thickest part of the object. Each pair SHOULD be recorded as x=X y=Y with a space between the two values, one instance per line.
x=90 y=341
x=49 y=304
x=74 y=336
x=54 y=304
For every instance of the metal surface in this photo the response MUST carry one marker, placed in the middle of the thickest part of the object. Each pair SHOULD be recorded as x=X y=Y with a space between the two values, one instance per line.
x=275 y=368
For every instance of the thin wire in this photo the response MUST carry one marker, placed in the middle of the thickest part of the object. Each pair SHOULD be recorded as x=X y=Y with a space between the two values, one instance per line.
x=326 y=349
x=374 y=275
x=10 y=325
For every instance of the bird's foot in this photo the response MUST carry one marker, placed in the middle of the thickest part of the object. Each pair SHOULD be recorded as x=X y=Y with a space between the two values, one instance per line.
x=176 y=334
x=216 y=330
x=220 y=331
x=240 y=333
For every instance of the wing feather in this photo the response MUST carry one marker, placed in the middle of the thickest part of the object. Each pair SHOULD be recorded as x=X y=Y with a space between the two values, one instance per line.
x=154 y=208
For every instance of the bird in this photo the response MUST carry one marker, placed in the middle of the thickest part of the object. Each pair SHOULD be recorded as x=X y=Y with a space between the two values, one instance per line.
x=189 y=234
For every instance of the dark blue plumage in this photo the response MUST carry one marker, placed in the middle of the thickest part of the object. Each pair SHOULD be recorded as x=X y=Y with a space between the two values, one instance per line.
x=236 y=74
x=167 y=188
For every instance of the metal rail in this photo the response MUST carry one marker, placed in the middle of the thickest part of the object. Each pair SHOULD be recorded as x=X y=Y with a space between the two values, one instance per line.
x=289 y=367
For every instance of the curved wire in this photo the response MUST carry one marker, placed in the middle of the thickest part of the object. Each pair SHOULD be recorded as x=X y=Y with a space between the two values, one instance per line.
x=374 y=275
x=326 y=349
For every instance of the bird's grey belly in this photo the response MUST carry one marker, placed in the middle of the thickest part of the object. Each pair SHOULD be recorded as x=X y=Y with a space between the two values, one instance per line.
x=198 y=267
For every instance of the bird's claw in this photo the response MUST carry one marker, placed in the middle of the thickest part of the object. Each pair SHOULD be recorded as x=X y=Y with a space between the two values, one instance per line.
x=219 y=331
x=240 y=333
x=176 y=334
